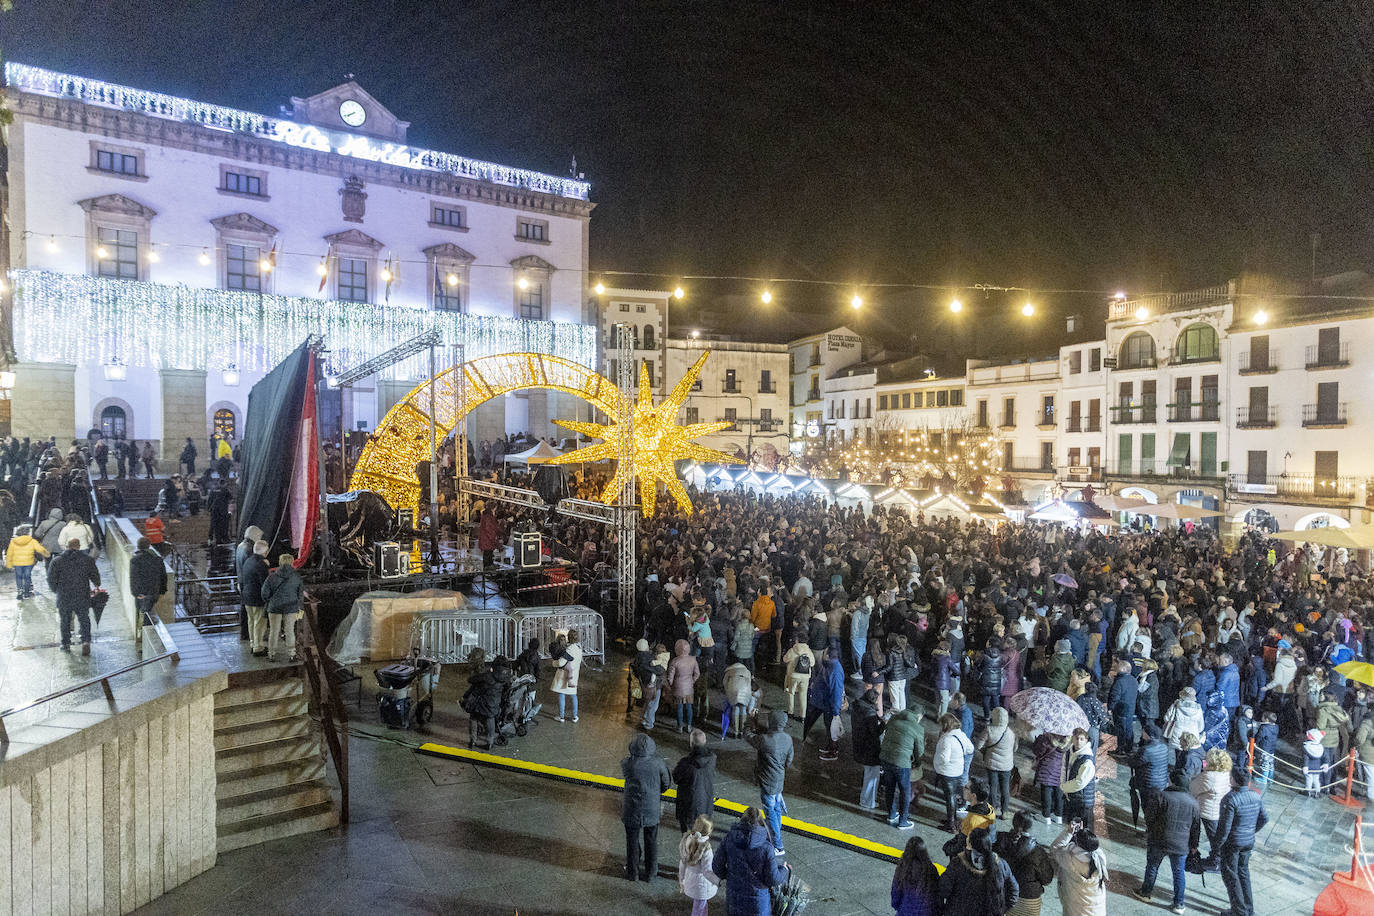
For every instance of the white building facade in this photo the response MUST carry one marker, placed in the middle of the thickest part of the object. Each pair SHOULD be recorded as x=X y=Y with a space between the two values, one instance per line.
x=165 y=253
x=742 y=383
x=813 y=359
x=645 y=311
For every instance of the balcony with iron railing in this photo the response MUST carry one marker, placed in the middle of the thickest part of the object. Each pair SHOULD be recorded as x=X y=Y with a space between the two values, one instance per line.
x=769 y=426
x=1126 y=414
x=815 y=361
x=1029 y=465
x=1257 y=417
x=1324 y=415
x=769 y=387
x=1194 y=412
x=1089 y=424
x=1301 y=486
x=1160 y=467
x=730 y=387
x=1045 y=419
x=1328 y=357
x=1127 y=309
x=1259 y=363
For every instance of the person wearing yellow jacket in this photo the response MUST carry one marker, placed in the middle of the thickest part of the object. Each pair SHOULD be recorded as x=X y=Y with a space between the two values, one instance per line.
x=22 y=554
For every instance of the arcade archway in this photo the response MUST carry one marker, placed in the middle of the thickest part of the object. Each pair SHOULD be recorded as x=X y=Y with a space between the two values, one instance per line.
x=401 y=441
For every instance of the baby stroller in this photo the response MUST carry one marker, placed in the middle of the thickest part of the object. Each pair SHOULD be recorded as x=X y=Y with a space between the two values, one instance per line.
x=405 y=692
x=518 y=708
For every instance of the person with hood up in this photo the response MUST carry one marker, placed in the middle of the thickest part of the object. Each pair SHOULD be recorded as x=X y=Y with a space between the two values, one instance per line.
x=681 y=682
x=695 y=777
x=873 y=666
x=978 y=882
x=867 y=743
x=71 y=576
x=826 y=701
x=253 y=573
x=641 y=806
x=900 y=749
x=1060 y=666
x=950 y=749
x=1048 y=760
x=482 y=700
x=1184 y=717
x=946 y=674
x=1081 y=868
x=1080 y=781
x=1170 y=822
x=1011 y=670
x=1314 y=753
x=244 y=549
x=739 y=688
x=749 y=866
x=48 y=533
x=1127 y=630
x=1030 y=864
x=21 y=556
x=773 y=749
x=695 y=878
x=998 y=747
x=1267 y=745
x=282 y=593
x=990 y=673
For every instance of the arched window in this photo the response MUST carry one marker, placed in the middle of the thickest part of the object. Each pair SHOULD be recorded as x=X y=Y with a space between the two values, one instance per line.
x=113 y=422
x=225 y=425
x=1197 y=343
x=1137 y=351
x=649 y=337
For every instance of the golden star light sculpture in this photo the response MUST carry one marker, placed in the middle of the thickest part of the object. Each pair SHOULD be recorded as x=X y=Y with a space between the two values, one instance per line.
x=657 y=441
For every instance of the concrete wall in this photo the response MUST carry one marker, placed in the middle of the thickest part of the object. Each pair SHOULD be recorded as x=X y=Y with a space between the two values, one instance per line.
x=110 y=805
x=183 y=413
x=44 y=401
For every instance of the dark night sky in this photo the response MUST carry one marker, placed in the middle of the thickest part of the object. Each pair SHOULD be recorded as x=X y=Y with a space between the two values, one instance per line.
x=1099 y=146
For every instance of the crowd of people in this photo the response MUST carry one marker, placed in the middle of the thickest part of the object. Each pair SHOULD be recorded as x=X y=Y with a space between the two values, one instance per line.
x=1198 y=667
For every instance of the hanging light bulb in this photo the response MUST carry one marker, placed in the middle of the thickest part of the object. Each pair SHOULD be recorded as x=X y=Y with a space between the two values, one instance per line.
x=1142 y=313
x=678 y=292
x=452 y=279
x=204 y=257
x=386 y=274
x=1028 y=310
x=600 y=287
x=767 y=297
x=856 y=302
x=102 y=252
x=955 y=305
x=153 y=256
x=265 y=265
x=523 y=283
x=321 y=269
x=52 y=243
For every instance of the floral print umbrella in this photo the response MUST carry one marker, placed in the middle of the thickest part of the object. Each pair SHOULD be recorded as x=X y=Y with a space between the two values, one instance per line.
x=1048 y=710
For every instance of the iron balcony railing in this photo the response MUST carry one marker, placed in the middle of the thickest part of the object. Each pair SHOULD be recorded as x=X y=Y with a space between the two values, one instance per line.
x=1195 y=411
x=1259 y=363
x=1324 y=414
x=1328 y=357
x=1257 y=417
x=1144 y=413
x=1295 y=485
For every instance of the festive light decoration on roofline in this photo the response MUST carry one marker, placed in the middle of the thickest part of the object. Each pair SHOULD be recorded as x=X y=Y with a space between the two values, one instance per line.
x=75 y=318
x=155 y=104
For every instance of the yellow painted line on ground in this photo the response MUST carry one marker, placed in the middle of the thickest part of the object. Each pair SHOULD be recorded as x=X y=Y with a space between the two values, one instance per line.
x=792 y=825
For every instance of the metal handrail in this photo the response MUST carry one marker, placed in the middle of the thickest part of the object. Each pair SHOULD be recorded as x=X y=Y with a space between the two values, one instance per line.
x=170 y=651
x=325 y=691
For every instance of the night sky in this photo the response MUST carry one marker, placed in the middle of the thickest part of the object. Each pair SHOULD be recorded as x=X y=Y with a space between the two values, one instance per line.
x=1094 y=146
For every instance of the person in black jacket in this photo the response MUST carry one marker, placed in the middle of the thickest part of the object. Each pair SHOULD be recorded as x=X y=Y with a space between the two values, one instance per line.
x=646 y=779
x=71 y=577
x=253 y=572
x=482 y=701
x=1031 y=865
x=1170 y=821
x=530 y=661
x=695 y=776
x=990 y=671
x=868 y=733
x=147 y=577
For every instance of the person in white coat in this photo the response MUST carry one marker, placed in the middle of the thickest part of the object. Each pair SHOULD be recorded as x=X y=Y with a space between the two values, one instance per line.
x=695 y=878
x=77 y=530
x=568 y=664
x=949 y=768
x=1082 y=871
x=1184 y=717
x=1126 y=633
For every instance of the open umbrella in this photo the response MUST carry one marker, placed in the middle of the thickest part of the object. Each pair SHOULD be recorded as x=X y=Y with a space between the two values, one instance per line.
x=1048 y=710
x=1066 y=580
x=1360 y=672
x=1356 y=537
x=1178 y=511
x=1114 y=503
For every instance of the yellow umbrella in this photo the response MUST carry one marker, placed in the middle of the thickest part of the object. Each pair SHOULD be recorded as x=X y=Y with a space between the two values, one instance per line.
x=1356 y=537
x=1360 y=672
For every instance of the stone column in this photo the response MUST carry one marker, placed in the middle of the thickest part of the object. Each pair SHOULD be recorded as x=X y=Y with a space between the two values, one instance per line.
x=183 y=414
x=44 y=402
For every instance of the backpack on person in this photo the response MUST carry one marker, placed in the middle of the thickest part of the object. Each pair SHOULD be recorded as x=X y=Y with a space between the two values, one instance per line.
x=802 y=665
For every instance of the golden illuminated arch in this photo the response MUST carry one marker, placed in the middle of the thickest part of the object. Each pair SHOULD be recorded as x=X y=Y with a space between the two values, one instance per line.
x=401 y=441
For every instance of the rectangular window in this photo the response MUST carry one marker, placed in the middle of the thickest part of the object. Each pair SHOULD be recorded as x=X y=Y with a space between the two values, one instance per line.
x=1095 y=359
x=1046 y=455
x=730 y=415
x=447 y=297
x=532 y=230
x=1257 y=467
x=956 y=397
x=937 y=440
x=1073 y=457
x=241 y=183
x=692 y=415
x=1259 y=353
x=448 y=217
x=1325 y=466
x=242 y=268
x=1094 y=415
x=1211 y=397
x=982 y=414
x=624 y=306
x=1094 y=456
x=1075 y=362
x=1328 y=346
x=906 y=400
x=649 y=367
x=1009 y=412
x=942 y=398
x=730 y=383
x=1007 y=458
x=1123 y=453
x=1207 y=454
x=639 y=309
x=765 y=380
x=532 y=301
x=116 y=162
x=1147 y=452
x=353 y=279
x=1075 y=418
x=882 y=402
x=121 y=253
x=765 y=415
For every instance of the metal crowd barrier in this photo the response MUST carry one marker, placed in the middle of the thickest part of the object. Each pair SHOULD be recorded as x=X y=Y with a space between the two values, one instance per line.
x=542 y=622
x=450 y=638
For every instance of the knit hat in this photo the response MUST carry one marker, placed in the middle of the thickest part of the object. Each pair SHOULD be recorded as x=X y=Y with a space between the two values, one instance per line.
x=642 y=645
x=1315 y=734
x=1062 y=646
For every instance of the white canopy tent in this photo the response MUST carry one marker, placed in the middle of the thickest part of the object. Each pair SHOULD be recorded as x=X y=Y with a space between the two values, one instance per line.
x=542 y=453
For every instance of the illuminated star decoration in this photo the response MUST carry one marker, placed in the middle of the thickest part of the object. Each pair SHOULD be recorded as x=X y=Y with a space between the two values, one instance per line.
x=658 y=441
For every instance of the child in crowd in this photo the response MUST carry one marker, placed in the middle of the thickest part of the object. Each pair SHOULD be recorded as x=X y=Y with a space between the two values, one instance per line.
x=695 y=878
x=1312 y=764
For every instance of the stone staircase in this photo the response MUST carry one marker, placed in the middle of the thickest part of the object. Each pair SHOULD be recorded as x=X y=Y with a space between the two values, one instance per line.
x=270 y=765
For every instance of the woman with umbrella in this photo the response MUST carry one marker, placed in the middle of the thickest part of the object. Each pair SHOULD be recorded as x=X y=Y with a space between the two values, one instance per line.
x=1058 y=717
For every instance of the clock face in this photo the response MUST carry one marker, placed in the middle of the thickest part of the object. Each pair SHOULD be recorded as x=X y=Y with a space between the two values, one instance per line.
x=352 y=113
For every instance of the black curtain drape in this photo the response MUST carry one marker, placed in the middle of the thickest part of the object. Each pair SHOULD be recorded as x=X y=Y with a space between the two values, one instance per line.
x=269 y=444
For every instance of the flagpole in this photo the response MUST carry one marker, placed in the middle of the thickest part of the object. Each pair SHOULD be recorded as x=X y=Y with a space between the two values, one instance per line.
x=433 y=468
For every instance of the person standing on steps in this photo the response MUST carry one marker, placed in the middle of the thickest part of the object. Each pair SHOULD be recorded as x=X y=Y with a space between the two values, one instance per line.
x=774 y=755
x=147 y=578
x=253 y=574
x=21 y=555
x=71 y=577
x=282 y=593
x=641 y=809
